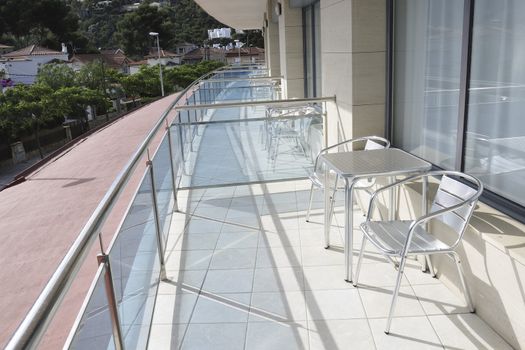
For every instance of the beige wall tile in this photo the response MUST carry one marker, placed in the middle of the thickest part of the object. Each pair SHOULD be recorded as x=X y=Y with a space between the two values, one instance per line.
x=368 y=120
x=327 y=3
x=336 y=26
x=369 y=78
x=337 y=76
x=368 y=25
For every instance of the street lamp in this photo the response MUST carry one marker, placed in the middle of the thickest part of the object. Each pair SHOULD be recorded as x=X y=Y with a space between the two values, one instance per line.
x=237 y=43
x=155 y=34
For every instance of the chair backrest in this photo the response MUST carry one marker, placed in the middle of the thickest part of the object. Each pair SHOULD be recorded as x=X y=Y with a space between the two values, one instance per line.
x=371 y=145
x=453 y=192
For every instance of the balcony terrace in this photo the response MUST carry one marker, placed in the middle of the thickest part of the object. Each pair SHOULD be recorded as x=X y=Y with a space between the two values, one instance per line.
x=215 y=252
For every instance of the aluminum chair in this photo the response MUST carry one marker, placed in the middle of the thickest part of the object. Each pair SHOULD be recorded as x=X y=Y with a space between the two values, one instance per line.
x=317 y=176
x=288 y=123
x=453 y=205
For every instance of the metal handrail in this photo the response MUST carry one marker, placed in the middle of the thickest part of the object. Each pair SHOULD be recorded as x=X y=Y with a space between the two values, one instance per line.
x=288 y=102
x=219 y=80
x=32 y=328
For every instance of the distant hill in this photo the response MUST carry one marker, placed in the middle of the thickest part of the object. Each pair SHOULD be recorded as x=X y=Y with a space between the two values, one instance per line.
x=185 y=19
x=86 y=26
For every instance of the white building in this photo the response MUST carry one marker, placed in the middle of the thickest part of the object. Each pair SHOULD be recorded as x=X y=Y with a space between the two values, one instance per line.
x=22 y=65
x=219 y=33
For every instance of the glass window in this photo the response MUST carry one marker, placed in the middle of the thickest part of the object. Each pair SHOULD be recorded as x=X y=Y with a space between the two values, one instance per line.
x=427 y=61
x=312 y=49
x=495 y=139
x=317 y=49
x=308 y=49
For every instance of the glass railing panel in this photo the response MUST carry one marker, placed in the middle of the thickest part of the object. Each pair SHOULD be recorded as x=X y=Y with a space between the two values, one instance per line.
x=135 y=268
x=94 y=329
x=163 y=186
x=231 y=91
x=229 y=150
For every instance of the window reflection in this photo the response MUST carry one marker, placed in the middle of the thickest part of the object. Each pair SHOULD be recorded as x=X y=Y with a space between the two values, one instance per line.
x=495 y=147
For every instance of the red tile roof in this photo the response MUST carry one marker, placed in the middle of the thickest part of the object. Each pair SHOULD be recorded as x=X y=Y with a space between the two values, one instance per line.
x=32 y=50
x=245 y=51
x=113 y=59
x=153 y=53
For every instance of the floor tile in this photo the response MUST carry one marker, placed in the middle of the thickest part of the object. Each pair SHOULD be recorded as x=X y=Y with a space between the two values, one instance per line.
x=333 y=305
x=221 y=308
x=188 y=259
x=166 y=336
x=229 y=281
x=410 y=333
x=174 y=309
x=466 y=331
x=318 y=256
x=202 y=225
x=246 y=239
x=278 y=307
x=379 y=275
x=277 y=335
x=340 y=334
x=325 y=278
x=219 y=336
x=180 y=281
x=285 y=238
x=415 y=276
x=437 y=299
x=314 y=237
x=278 y=279
x=194 y=241
x=278 y=257
x=377 y=302
x=233 y=259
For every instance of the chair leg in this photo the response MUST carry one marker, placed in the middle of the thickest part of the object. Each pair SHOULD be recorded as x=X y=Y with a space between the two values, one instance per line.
x=332 y=201
x=310 y=203
x=395 y=294
x=359 y=262
x=466 y=291
x=430 y=266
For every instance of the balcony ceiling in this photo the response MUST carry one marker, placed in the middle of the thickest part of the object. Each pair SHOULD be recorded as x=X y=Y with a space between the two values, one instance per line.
x=238 y=14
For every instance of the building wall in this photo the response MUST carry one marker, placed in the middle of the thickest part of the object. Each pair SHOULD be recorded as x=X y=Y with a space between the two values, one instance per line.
x=291 y=50
x=353 y=44
x=25 y=71
x=271 y=45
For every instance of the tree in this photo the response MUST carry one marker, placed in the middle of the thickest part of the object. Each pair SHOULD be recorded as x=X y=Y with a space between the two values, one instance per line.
x=74 y=101
x=29 y=108
x=192 y=22
x=56 y=76
x=134 y=28
x=132 y=85
x=46 y=22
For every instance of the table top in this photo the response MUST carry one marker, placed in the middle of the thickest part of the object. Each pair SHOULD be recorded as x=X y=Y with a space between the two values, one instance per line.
x=388 y=161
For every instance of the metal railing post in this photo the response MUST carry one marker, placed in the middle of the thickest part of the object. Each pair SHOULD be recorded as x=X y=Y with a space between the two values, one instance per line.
x=173 y=175
x=160 y=240
x=103 y=258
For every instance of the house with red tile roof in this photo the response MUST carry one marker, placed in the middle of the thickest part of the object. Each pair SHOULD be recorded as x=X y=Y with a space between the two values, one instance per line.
x=114 y=59
x=21 y=66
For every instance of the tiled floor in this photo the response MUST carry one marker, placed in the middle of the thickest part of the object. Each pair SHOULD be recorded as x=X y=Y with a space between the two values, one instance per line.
x=247 y=272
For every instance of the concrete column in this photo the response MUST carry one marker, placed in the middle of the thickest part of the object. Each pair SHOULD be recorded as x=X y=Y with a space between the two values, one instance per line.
x=272 y=42
x=353 y=44
x=291 y=50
